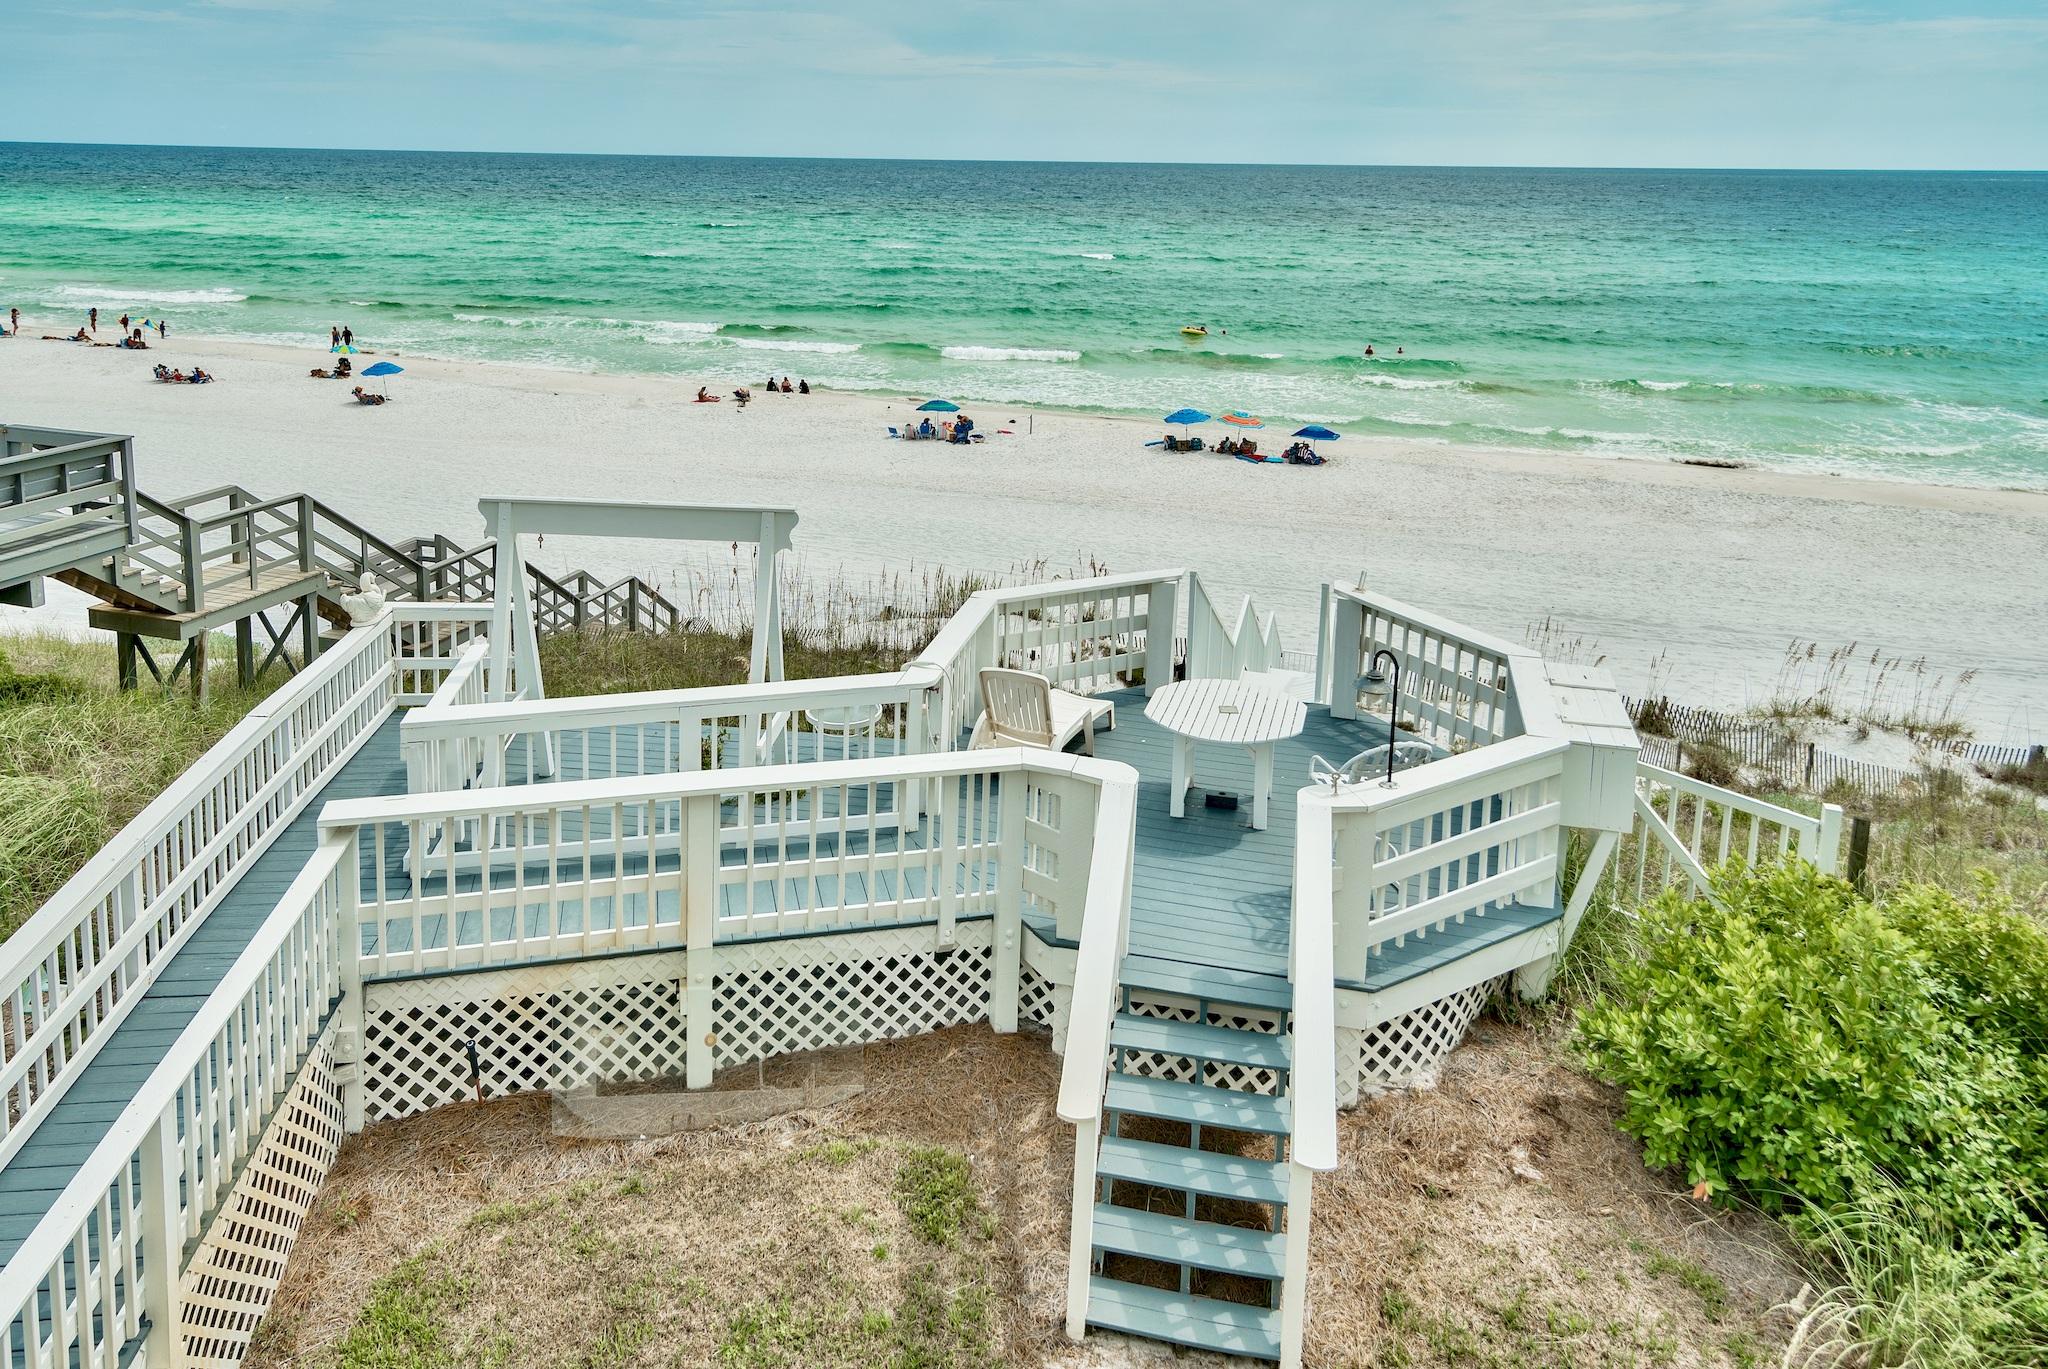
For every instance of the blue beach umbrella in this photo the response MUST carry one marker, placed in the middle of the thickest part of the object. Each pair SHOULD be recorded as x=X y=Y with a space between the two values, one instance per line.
x=1316 y=432
x=938 y=406
x=1184 y=417
x=383 y=370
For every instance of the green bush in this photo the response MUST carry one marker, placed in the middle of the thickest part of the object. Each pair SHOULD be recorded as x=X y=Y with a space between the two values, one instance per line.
x=1797 y=1045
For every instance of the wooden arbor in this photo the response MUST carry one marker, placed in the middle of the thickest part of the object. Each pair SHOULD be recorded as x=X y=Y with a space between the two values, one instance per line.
x=514 y=644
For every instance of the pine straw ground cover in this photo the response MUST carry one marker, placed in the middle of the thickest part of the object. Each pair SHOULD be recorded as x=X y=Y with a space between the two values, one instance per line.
x=1499 y=1219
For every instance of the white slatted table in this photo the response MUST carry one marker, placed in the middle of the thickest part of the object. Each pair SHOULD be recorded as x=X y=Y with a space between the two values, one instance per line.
x=1228 y=713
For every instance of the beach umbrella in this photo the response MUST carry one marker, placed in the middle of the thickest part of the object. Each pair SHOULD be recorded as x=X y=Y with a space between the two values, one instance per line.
x=1241 y=419
x=1184 y=417
x=342 y=349
x=1316 y=432
x=383 y=370
x=938 y=406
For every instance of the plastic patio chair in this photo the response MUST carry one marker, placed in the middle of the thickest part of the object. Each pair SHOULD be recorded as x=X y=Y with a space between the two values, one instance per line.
x=1020 y=708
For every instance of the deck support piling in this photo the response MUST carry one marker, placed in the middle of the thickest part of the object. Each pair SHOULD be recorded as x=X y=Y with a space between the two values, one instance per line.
x=245 y=651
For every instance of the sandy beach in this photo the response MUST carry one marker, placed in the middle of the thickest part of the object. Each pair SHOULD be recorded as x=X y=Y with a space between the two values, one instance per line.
x=1687 y=579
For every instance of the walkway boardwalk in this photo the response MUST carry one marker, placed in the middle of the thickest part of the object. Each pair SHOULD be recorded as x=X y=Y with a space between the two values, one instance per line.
x=31 y=1181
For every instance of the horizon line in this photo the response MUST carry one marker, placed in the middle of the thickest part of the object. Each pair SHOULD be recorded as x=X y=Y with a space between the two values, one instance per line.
x=1052 y=161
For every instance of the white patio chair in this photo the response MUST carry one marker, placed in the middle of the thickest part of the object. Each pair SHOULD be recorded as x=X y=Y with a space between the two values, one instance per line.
x=1370 y=764
x=1019 y=708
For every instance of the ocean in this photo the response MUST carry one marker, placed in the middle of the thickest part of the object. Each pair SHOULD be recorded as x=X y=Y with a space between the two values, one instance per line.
x=1886 y=325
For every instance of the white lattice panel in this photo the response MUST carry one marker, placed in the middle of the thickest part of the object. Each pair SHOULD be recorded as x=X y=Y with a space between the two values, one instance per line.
x=1046 y=1003
x=1407 y=1051
x=775 y=997
x=235 y=1271
x=1216 y=1074
x=553 y=1027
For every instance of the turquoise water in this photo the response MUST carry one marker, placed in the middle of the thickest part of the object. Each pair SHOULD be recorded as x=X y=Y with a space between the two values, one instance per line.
x=1888 y=325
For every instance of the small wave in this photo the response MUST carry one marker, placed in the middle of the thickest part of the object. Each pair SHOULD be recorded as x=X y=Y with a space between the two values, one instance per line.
x=1406 y=382
x=721 y=223
x=1726 y=390
x=915 y=351
x=1432 y=365
x=738 y=330
x=776 y=345
x=1100 y=256
x=1226 y=361
x=898 y=246
x=219 y=294
x=658 y=252
x=1009 y=354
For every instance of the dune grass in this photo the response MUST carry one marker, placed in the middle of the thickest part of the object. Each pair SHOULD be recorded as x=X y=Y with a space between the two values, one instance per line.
x=79 y=758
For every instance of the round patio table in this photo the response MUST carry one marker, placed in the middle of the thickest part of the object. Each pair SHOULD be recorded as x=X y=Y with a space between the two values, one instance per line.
x=1225 y=713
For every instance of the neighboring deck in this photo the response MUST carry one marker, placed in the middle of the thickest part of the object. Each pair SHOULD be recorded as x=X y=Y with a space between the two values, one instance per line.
x=31 y=1181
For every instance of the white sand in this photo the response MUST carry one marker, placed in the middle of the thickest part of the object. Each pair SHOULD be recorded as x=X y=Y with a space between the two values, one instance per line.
x=1710 y=573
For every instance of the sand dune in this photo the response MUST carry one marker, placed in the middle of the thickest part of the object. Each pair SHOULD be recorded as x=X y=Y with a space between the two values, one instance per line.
x=1692 y=580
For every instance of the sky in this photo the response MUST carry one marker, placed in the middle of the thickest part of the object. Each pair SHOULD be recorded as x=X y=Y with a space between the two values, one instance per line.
x=1730 y=83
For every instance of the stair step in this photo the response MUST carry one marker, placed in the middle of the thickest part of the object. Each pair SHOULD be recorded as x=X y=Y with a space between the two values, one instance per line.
x=1200 y=1041
x=1192 y=1171
x=1183 y=1319
x=1244 y=988
x=1197 y=1103
x=1177 y=1240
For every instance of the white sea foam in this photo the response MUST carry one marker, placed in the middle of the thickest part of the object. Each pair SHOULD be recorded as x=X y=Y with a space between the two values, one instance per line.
x=673 y=327
x=1667 y=385
x=1403 y=382
x=776 y=345
x=1100 y=256
x=1009 y=354
x=219 y=294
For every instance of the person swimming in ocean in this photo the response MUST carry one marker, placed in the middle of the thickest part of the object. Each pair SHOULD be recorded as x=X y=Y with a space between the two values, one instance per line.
x=1368 y=349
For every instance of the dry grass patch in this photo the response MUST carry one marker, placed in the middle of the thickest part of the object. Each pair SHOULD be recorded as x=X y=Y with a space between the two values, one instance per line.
x=924 y=1223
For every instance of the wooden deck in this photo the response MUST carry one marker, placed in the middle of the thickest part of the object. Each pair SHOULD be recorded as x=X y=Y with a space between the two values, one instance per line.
x=1207 y=892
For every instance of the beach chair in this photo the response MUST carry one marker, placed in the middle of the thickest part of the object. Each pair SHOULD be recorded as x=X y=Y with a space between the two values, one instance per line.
x=893 y=433
x=1370 y=764
x=1020 y=708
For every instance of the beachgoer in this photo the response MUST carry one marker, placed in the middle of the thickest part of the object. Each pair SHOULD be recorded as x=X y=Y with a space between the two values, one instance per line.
x=785 y=386
x=803 y=387
x=348 y=336
x=333 y=336
x=200 y=377
x=14 y=318
x=124 y=325
x=703 y=395
x=925 y=428
x=742 y=395
x=1368 y=349
x=163 y=330
x=1399 y=350
x=342 y=367
x=94 y=315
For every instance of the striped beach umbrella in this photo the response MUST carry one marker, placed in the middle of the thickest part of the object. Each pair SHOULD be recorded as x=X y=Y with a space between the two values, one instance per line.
x=1239 y=418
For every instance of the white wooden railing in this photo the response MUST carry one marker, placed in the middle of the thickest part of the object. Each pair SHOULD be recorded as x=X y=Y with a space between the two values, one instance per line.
x=457 y=742
x=1082 y=635
x=1450 y=840
x=1685 y=825
x=1104 y=935
x=1458 y=685
x=1223 y=651
x=75 y=969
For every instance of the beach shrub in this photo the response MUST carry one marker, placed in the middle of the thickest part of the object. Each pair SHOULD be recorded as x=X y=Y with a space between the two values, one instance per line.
x=1711 y=763
x=1794 y=1044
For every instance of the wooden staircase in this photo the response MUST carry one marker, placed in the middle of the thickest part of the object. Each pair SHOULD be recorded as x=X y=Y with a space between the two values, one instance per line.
x=1190 y=1219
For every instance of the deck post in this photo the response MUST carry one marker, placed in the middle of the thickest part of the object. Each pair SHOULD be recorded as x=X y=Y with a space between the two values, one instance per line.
x=1007 y=972
x=1081 y=1227
x=163 y=1240
x=1077 y=854
x=124 y=659
x=1160 y=611
x=352 y=1017
x=197 y=653
x=309 y=629
x=1340 y=669
x=1532 y=981
x=700 y=924
x=245 y=651
x=1827 y=853
x=1294 y=1272
x=1322 y=675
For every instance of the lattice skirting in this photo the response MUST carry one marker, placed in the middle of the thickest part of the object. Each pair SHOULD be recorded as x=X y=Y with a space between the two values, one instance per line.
x=540 y=1027
x=776 y=997
x=1407 y=1051
x=235 y=1271
x=1046 y=1003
